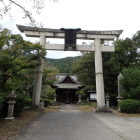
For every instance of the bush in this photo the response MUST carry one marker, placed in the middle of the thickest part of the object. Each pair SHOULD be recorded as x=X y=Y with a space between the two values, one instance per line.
x=113 y=101
x=21 y=103
x=2 y=97
x=50 y=94
x=131 y=83
x=1 y=102
x=130 y=106
x=47 y=102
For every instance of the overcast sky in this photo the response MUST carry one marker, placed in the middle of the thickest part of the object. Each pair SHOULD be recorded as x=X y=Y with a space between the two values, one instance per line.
x=84 y=14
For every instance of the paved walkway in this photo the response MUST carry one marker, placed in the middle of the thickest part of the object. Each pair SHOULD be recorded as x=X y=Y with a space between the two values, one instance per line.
x=70 y=123
x=126 y=127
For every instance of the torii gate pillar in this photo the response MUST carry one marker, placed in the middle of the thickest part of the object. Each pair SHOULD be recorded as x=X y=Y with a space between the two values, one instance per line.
x=99 y=76
x=38 y=77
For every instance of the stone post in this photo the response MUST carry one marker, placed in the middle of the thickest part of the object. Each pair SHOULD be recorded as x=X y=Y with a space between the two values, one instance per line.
x=119 y=100
x=120 y=86
x=107 y=98
x=11 y=102
x=79 y=101
x=38 y=77
x=99 y=76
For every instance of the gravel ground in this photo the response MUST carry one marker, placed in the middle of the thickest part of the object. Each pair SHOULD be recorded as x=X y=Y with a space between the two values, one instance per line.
x=11 y=127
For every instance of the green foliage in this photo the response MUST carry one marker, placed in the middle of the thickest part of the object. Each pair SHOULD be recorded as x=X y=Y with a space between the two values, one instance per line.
x=22 y=101
x=113 y=100
x=126 y=55
x=81 y=93
x=49 y=74
x=130 y=106
x=131 y=83
x=49 y=96
x=85 y=70
x=16 y=55
x=18 y=58
x=2 y=99
x=1 y=102
x=63 y=64
x=48 y=102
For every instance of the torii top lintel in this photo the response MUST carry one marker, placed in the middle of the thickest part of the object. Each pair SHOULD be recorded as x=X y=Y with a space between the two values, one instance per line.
x=57 y=33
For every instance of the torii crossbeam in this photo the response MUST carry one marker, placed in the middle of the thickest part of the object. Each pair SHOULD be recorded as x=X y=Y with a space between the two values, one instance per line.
x=96 y=47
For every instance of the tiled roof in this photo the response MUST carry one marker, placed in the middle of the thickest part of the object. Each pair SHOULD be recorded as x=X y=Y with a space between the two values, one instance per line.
x=62 y=85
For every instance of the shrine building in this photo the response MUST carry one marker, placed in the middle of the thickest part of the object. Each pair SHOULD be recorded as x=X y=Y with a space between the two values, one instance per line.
x=66 y=87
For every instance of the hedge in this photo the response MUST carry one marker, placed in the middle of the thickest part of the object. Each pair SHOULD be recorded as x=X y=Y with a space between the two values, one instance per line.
x=1 y=102
x=130 y=106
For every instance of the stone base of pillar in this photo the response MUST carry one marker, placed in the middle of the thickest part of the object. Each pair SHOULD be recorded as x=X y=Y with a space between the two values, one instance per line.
x=10 y=118
x=103 y=109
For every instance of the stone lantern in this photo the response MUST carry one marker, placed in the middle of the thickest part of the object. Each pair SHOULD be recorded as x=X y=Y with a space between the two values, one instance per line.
x=107 y=98
x=54 y=98
x=11 y=101
x=119 y=99
x=79 y=100
x=42 y=101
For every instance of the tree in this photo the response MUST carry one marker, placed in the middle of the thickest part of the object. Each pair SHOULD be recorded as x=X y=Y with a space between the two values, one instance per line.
x=63 y=64
x=49 y=75
x=37 y=5
x=131 y=83
x=126 y=55
x=18 y=59
x=84 y=69
x=16 y=56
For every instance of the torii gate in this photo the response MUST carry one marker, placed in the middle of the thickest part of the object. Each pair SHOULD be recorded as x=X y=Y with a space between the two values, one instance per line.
x=96 y=47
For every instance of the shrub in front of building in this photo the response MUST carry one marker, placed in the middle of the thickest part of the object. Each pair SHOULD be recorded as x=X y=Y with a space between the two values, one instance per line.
x=130 y=106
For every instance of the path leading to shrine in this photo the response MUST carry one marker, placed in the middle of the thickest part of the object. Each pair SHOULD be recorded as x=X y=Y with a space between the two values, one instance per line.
x=69 y=123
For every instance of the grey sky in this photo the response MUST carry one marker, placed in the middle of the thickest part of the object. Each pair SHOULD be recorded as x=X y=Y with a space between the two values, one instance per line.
x=84 y=14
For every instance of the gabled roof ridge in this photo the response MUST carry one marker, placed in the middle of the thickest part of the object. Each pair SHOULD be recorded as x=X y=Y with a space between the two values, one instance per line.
x=62 y=79
x=76 y=82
